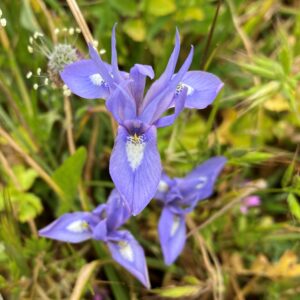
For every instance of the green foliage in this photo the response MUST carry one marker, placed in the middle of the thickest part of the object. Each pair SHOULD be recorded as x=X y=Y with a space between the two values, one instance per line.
x=68 y=175
x=27 y=205
x=294 y=206
x=255 y=50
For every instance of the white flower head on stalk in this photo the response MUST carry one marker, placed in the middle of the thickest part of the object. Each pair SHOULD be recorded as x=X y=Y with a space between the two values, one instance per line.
x=58 y=55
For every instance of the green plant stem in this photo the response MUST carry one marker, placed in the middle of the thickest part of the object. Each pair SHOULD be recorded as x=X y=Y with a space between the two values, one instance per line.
x=210 y=35
x=16 y=71
x=118 y=290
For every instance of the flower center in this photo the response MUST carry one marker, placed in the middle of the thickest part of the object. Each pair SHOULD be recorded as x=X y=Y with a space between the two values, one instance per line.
x=135 y=147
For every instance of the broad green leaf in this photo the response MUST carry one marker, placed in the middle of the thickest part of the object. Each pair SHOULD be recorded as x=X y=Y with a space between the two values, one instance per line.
x=135 y=29
x=160 y=7
x=67 y=176
x=29 y=206
x=25 y=177
x=125 y=7
x=294 y=205
x=189 y=14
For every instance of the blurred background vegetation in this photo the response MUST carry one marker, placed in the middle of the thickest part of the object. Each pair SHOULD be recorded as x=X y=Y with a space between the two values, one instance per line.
x=54 y=151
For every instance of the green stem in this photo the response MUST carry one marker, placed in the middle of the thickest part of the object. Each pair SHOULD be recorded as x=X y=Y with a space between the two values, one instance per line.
x=210 y=35
x=118 y=290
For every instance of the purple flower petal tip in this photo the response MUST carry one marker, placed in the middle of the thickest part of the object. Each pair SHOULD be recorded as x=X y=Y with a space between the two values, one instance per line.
x=128 y=253
x=71 y=227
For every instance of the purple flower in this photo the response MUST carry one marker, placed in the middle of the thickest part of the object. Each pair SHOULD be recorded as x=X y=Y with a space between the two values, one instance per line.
x=135 y=165
x=180 y=196
x=248 y=202
x=102 y=224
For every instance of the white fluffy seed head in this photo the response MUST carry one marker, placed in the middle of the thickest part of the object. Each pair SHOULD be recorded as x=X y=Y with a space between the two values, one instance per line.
x=35 y=86
x=38 y=71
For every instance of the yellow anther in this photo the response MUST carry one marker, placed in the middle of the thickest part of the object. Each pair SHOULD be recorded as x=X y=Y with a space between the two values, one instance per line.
x=136 y=138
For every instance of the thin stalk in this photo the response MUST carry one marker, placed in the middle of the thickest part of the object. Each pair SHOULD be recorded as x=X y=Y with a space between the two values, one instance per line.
x=80 y=21
x=210 y=35
x=6 y=166
x=118 y=291
x=69 y=124
x=49 y=19
x=246 y=192
x=32 y=163
x=72 y=148
x=18 y=113
x=16 y=71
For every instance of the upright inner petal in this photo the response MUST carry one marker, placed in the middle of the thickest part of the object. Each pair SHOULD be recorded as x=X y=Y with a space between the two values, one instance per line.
x=135 y=148
x=126 y=251
x=78 y=226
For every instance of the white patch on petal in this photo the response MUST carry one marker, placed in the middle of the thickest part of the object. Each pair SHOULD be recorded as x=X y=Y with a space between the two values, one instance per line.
x=202 y=180
x=181 y=86
x=78 y=226
x=126 y=251
x=163 y=186
x=135 y=147
x=97 y=79
x=175 y=225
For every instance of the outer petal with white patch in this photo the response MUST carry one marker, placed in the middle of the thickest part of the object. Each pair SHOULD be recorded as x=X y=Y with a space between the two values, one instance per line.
x=72 y=227
x=202 y=88
x=135 y=167
x=199 y=184
x=128 y=253
x=83 y=79
x=164 y=187
x=172 y=234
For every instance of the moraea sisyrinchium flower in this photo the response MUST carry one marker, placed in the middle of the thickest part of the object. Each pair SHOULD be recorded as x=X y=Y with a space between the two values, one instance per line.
x=135 y=165
x=102 y=224
x=179 y=197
